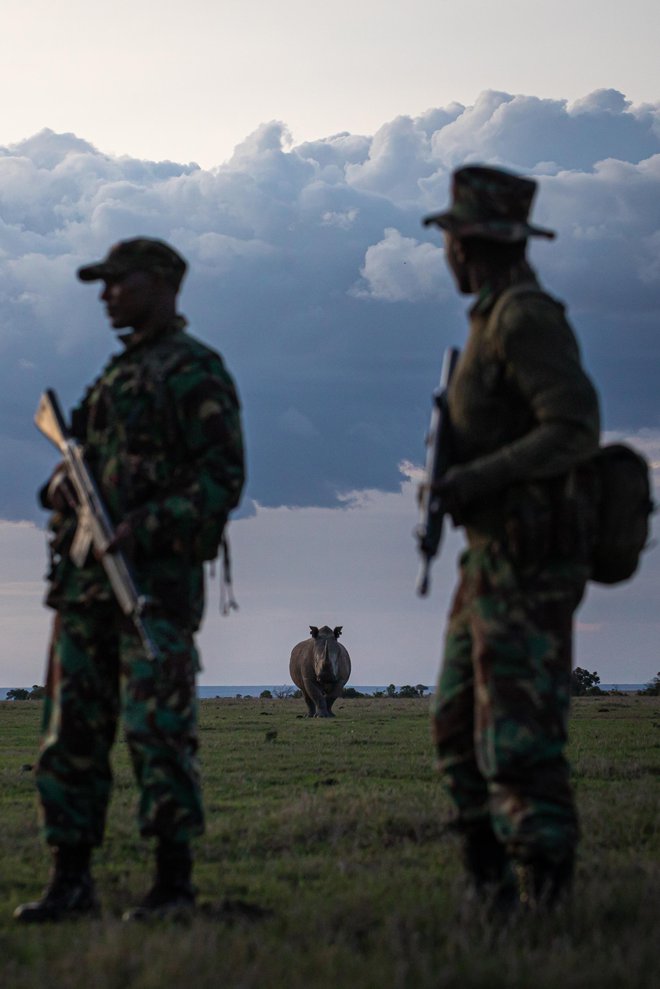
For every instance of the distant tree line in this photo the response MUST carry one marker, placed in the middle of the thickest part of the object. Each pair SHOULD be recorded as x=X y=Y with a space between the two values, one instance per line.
x=419 y=690
x=583 y=684
x=281 y=693
x=35 y=693
x=586 y=684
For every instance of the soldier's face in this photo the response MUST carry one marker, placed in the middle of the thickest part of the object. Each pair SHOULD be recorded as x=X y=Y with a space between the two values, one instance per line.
x=129 y=299
x=457 y=262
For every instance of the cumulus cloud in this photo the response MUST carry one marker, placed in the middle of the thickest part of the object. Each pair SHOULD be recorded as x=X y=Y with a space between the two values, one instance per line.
x=296 y=422
x=400 y=269
x=310 y=271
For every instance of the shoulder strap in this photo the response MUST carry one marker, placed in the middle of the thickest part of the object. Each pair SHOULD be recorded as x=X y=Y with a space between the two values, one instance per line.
x=159 y=362
x=502 y=301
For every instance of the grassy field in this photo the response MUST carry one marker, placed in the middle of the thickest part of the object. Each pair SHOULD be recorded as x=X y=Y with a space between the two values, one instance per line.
x=332 y=833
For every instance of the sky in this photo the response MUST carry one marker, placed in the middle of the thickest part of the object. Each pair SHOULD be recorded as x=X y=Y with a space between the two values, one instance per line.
x=187 y=82
x=290 y=158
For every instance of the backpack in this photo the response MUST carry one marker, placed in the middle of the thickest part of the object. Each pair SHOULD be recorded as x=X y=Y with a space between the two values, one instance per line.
x=623 y=507
x=618 y=486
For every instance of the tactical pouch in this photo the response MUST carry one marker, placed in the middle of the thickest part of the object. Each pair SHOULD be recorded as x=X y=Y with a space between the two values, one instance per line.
x=551 y=520
x=208 y=539
x=623 y=506
x=528 y=525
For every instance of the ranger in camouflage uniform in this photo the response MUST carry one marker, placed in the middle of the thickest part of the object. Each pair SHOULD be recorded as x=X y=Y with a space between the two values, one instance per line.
x=162 y=435
x=523 y=412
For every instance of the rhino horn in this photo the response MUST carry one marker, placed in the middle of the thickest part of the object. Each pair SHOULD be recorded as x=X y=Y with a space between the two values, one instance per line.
x=338 y=629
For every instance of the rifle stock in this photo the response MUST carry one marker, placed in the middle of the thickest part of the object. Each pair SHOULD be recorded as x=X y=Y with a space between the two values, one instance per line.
x=94 y=525
x=438 y=461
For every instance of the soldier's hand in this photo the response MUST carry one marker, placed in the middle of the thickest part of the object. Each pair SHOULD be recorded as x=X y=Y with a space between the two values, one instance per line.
x=60 y=492
x=452 y=494
x=122 y=540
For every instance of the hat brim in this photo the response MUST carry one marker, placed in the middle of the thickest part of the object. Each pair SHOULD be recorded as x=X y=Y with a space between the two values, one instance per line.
x=504 y=231
x=94 y=272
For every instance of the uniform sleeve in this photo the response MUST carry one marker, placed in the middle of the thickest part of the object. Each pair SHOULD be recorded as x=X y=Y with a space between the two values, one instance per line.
x=208 y=481
x=542 y=365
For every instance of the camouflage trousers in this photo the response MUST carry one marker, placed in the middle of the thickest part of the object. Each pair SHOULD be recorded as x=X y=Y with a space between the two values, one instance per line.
x=500 y=710
x=98 y=672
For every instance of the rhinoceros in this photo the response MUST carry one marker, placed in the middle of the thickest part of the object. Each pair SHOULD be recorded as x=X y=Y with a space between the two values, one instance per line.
x=320 y=666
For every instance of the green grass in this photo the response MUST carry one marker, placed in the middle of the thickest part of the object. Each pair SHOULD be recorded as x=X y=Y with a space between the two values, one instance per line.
x=335 y=830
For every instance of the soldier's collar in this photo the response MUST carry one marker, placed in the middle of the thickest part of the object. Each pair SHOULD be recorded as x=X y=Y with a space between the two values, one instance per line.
x=493 y=288
x=484 y=301
x=132 y=340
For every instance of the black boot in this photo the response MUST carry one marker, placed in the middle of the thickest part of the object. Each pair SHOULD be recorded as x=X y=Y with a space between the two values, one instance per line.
x=544 y=882
x=172 y=895
x=70 y=893
x=492 y=881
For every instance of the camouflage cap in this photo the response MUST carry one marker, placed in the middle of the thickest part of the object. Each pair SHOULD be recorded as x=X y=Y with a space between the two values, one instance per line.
x=139 y=254
x=489 y=203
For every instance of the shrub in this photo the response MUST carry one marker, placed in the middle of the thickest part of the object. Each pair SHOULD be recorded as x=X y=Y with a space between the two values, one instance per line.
x=35 y=693
x=584 y=683
x=653 y=688
x=18 y=694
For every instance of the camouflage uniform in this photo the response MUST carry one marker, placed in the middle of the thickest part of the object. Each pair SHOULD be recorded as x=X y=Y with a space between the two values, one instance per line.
x=522 y=412
x=162 y=434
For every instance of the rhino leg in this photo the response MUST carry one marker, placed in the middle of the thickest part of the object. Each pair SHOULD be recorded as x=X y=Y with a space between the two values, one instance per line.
x=309 y=694
x=324 y=704
x=316 y=700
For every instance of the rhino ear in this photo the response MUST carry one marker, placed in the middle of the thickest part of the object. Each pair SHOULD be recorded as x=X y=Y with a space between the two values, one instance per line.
x=314 y=630
x=338 y=631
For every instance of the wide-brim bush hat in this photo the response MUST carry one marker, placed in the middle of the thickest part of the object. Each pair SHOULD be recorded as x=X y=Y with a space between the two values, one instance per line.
x=489 y=203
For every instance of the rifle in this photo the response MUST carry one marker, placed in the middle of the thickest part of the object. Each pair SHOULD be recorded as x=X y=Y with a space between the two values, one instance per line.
x=94 y=525
x=438 y=461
